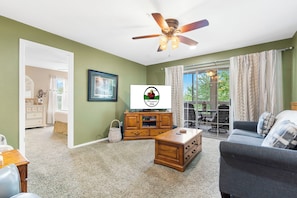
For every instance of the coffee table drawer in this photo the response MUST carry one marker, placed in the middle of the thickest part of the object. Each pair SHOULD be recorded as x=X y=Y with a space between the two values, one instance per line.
x=192 y=143
x=191 y=153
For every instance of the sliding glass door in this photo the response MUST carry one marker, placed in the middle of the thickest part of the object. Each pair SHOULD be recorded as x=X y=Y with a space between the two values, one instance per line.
x=206 y=97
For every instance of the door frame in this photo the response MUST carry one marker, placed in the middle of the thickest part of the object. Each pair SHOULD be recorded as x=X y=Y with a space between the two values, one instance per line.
x=213 y=67
x=22 y=73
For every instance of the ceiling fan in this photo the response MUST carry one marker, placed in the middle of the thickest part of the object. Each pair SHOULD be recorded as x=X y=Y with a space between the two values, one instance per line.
x=171 y=31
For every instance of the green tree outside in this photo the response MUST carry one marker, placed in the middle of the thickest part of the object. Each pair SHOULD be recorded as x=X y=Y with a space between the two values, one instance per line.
x=199 y=87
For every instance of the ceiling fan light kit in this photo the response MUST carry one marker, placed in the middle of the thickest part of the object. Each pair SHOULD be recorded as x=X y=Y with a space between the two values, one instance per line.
x=174 y=42
x=163 y=42
x=171 y=32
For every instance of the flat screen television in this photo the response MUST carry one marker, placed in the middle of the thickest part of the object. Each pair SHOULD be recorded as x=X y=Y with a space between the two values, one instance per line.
x=146 y=97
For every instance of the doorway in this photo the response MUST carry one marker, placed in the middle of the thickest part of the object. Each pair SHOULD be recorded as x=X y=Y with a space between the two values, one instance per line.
x=66 y=58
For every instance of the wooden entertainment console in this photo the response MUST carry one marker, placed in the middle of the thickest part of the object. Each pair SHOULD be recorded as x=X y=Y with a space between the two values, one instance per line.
x=145 y=125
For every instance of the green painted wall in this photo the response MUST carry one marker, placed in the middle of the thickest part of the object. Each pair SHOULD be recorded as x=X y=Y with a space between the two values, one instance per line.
x=91 y=119
x=294 y=72
x=156 y=75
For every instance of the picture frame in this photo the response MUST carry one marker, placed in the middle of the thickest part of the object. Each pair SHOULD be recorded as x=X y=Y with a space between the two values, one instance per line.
x=102 y=86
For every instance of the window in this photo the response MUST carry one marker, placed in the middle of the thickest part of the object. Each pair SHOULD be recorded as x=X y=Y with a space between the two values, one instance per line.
x=207 y=86
x=205 y=89
x=62 y=93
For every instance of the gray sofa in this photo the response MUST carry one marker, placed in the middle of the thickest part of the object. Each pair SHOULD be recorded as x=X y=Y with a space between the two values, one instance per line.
x=250 y=170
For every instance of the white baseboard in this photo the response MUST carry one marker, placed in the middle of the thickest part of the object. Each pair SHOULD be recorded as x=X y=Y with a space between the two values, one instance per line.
x=89 y=143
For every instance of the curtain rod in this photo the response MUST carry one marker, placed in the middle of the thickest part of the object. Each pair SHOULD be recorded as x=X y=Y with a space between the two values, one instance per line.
x=207 y=63
x=227 y=60
x=286 y=49
x=223 y=60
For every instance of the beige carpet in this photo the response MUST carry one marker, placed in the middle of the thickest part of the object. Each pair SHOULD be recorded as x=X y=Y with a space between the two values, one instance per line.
x=124 y=169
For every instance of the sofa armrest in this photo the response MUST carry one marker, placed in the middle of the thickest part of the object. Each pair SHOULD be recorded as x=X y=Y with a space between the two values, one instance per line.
x=249 y=170
x=282 y=159
x=245 y=125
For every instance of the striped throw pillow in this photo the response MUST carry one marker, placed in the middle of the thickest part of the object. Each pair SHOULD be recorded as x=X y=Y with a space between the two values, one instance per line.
x=265 y=123
x=284 y=136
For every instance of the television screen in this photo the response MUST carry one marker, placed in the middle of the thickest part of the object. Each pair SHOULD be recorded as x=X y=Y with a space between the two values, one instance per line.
x=150 y=97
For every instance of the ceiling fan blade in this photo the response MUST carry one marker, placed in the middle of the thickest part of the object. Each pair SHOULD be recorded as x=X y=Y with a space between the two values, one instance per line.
x=194 y=26
x=147 y=36
x=187 y=40
x=159 y=49
x=160 y=20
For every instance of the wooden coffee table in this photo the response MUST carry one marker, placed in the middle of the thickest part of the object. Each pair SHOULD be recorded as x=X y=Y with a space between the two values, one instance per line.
x=175 y=149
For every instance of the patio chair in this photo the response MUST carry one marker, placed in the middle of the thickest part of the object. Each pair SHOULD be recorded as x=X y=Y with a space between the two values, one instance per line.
x=190 y=115
x=220 y=120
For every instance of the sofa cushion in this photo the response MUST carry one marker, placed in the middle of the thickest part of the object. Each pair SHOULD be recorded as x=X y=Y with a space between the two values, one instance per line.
x=265 y=123
x=284 y=136
x=245 y=137
x=246 y=133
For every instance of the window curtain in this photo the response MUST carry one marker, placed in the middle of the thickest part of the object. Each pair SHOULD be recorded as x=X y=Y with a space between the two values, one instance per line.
x=256 y=84
x=52 y=100
x=65 y=96
x=174 y=78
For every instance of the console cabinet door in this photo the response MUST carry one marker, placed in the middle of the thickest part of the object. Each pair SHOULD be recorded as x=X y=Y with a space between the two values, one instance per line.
x=132 y=121
x=165 y=121
x=149 y=120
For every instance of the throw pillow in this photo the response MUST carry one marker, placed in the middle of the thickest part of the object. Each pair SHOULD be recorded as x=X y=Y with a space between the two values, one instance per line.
x=265 y=123
x=284 y=136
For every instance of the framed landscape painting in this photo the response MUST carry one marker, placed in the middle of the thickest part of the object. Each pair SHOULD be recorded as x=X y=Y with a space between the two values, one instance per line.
x=102 y=86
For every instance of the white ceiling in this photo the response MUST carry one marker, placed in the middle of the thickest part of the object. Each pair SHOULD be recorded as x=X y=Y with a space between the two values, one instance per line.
x=109 y=25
